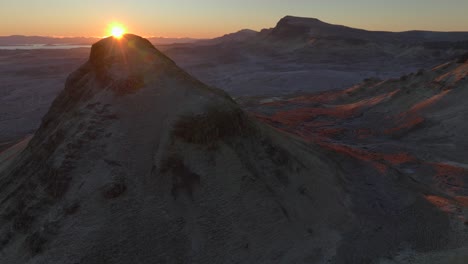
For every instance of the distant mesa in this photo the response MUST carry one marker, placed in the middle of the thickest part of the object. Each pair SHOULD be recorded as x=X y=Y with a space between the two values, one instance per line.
x=291 y=27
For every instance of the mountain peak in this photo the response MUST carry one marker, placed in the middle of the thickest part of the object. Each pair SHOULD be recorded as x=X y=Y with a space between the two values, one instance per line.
x=297 y=18
x=290 y=27
x=300 y=21
x=166 y=161
x=130 y=48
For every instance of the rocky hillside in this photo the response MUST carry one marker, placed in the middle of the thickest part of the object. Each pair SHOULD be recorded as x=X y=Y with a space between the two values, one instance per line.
x=407 y=128
x=138 y=162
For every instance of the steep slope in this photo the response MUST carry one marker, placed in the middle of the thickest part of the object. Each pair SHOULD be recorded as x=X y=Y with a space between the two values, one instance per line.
x=138 y=162
x=421 y=111
x=412 y=127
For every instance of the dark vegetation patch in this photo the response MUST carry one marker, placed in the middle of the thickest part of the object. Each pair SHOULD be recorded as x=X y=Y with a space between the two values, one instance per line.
x=266 y=151
x=355 y=41
x=445 y=45
x=279 y=157
x=93 y=105
x=112 y=163
x=5 y=238
x=284 y=211
x=57 y=181
x=36 y=241
x=53 y=141
x=115 y=189
x=183 y=178
x=277 y=154
x=282 y=177
x=127 y=86
x=72 y=208
x=22 y=222
x=110 y=117
x=214 y=125
x=463 y=58
x=420 y=72
x=372 y=80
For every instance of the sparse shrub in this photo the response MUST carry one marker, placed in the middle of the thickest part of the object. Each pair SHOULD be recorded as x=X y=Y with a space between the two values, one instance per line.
x=171 y=163
x=5 y=239
x=372 y=80
x=37 y=240
x=404 y=78
x=183 y=177
x=92 y=106
x=22 y=222
x=420 y=72
x=214 y=125
x=35 y=243
x=57 y=181
x=54 y=140
x=302 y=190
x=112 y=163
x=72 y=208
x=463 y=58
x=128 y=86
x=277 y=154
x=115 y=189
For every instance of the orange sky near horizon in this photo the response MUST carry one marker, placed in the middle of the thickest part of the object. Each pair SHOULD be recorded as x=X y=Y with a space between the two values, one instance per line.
x=210 y=18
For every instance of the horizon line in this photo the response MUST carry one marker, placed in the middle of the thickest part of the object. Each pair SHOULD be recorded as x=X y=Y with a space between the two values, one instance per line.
x=225 y=33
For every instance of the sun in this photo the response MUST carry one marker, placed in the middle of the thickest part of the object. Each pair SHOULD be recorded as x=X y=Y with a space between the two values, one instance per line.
x=117 y=30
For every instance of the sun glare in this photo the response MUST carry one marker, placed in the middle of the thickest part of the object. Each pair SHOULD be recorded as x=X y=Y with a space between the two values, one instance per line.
x=116 y=30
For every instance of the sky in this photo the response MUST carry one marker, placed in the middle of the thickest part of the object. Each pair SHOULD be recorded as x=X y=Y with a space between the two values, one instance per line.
x=211 y=18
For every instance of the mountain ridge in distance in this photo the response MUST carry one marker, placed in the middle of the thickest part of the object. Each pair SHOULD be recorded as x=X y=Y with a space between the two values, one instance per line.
x=300 y=25
x=30 y=40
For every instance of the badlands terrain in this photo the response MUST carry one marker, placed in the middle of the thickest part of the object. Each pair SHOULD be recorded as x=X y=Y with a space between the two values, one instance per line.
x=141 y=159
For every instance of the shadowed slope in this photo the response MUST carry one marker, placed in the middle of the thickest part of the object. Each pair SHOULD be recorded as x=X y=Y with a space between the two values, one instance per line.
x=138 y=162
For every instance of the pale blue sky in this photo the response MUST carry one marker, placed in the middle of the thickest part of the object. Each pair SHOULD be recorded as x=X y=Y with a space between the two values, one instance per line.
x=209 y=18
